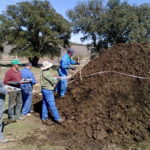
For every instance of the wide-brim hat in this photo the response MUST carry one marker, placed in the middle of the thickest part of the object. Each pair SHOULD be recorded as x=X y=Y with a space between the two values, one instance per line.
x=46 y=65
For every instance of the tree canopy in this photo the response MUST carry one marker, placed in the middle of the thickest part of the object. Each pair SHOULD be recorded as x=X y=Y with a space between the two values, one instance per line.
x=115 y=22
x=34 y=29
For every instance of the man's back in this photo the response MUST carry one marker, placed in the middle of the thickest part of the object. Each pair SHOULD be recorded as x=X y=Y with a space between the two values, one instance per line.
x=28 y=74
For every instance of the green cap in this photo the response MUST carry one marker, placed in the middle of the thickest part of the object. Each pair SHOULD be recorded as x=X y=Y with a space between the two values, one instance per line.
x=15 y=62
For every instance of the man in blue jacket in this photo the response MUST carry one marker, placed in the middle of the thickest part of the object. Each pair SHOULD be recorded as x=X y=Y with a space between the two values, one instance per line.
x=26 y=87
x=64 y=66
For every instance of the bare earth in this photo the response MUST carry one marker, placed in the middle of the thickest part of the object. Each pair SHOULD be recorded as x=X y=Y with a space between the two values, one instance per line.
x=103 y=112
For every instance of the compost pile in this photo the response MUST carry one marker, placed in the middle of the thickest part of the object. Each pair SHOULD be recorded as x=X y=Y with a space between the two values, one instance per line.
x=107 y=108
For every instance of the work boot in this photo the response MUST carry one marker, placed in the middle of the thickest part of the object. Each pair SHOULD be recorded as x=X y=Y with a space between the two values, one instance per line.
x=31 y=111
x=47 y=122
x=12 y=119
x=60 y=121
x=7 y=121
x=28 y=114
x=44 y=121
x=4 y=140
x=20 y=118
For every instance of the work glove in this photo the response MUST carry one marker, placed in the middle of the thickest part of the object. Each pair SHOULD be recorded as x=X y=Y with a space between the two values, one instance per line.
x=73 y=68
x=57 y=78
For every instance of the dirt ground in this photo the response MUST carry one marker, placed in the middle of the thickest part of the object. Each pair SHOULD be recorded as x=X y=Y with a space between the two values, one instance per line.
x=102 y=112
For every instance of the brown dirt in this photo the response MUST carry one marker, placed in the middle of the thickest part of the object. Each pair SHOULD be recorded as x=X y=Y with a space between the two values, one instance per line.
x=105 y=110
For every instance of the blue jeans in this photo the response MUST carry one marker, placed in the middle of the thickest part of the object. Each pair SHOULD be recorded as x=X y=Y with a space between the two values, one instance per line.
x=62 y=87
x=15 y=104
x=62 y=84
x=49 y=103
x=2 y=98
x=26 y=98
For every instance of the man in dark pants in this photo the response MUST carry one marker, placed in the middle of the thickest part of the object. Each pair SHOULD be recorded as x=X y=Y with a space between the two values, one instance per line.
x=13 y=77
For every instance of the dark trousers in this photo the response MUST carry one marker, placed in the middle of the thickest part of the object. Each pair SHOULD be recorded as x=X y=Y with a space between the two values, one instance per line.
x=15 y=104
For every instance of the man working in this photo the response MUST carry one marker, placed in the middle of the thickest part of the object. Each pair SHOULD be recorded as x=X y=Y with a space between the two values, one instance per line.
x=48 y=83
x=65 y=63
x=13 y=77
x=26 y=88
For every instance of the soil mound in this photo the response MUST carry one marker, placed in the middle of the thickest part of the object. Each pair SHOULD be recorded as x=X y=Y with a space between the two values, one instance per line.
x=107 y=109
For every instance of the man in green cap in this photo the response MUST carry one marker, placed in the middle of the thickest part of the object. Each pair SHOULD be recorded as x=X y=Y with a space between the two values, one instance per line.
x=13 y=77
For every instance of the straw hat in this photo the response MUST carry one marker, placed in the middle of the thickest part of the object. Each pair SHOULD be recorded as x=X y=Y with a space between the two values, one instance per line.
x=46 y=65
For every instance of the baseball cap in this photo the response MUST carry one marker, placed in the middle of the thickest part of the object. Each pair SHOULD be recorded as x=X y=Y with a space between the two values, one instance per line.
x=70 y=50
x=15 y=62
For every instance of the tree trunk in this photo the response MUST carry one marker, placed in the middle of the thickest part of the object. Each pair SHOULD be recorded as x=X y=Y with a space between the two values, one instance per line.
x=34 y=61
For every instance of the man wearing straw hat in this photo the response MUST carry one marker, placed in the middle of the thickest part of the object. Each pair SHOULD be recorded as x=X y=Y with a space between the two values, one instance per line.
x=48 y=84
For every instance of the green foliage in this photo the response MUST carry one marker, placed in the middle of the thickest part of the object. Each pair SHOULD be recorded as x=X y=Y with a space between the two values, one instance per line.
x=105 y=25
x=34 y=28
x=85 y=18
x=141 y=28
x=1 y=45
x=119 y=22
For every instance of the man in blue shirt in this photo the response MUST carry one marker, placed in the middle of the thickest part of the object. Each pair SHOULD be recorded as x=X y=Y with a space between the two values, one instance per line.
x=64 y=66
x=26 y=87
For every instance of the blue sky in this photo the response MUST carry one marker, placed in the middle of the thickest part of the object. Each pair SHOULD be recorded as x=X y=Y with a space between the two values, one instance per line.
x=61 y=6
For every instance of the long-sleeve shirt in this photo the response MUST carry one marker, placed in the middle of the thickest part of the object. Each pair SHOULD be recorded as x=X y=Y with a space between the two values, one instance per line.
x=65 y=63
x=12 y=76
x=28 y=74
x=47 y=81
